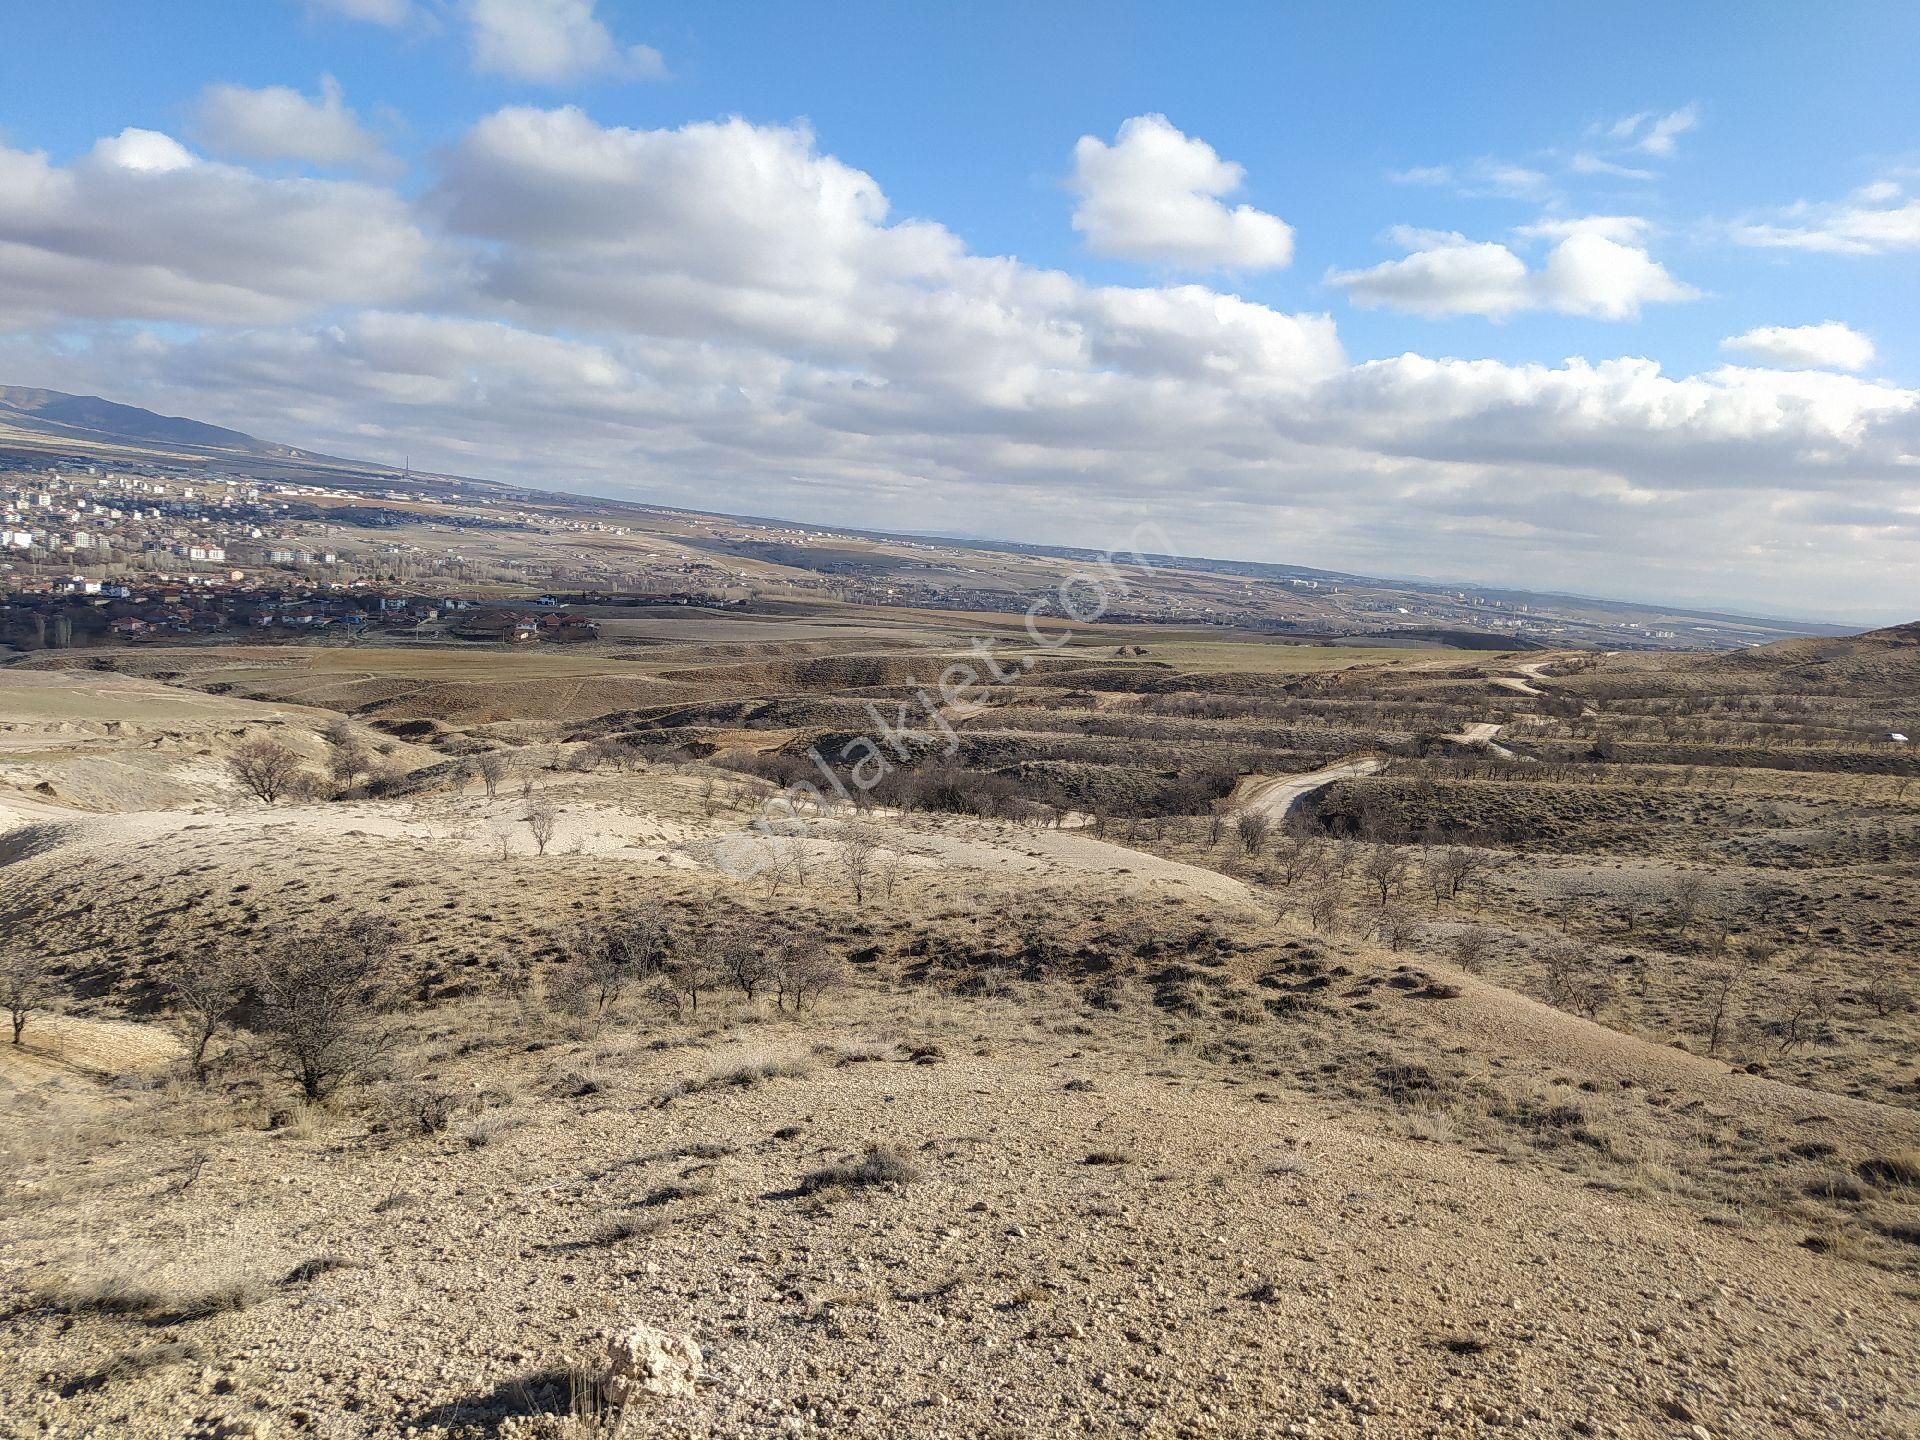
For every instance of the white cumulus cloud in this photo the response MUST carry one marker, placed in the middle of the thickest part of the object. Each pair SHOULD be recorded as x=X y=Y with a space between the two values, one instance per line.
x=1826 y=346
x=551 y=41
x=726 y=315
x=1155 y=195
x=1876 y=219
x=280 y=123
x=140 y=227
x=1596 y=268
x=390 y=13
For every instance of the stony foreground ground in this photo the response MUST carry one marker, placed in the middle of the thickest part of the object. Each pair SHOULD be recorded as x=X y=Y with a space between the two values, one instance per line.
x=1091 y=1246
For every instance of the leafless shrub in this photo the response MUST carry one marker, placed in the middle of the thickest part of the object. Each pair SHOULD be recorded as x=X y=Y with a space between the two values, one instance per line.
x=26 y=986
x=1453 y=869
x=320 y=1000
x=348 y=762
x=805 y=970
x=1394 y=927
x=204 y=992
x=602 y=958
x=1687 y=893
x=1384 y=868
x=265 y=767
x=490 y=769
x=1469 y=947
x=1252 y=828
x=1324 y=902
x=1723 y=984
x=1802 y=1016
x=540 y=821
x=1572 y=983
x=855 y=848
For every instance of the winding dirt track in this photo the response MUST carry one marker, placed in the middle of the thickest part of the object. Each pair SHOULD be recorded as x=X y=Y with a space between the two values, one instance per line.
x=1275 y=795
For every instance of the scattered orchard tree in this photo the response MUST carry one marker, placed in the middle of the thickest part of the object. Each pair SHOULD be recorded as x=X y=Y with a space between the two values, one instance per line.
x=1385 y=871
x=805 y=971
x=1469 y=948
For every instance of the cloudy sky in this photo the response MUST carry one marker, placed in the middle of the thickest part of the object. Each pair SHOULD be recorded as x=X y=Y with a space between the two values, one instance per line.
x=1615 y=300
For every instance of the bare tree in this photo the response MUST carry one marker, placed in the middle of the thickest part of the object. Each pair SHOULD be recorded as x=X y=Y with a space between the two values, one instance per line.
x=1385 y=871
x=1572 y=983
x=1723 y=984
x=1251 y=828
x=1393 y=926
x=1883 y=990
x=748 y=963
x=1324 y=902
x=348 y=762
x=25 y=986
x=889 y=870
x=1294 y=855
x=1455 y=867
x=204 y=992
x=591 y=974
x=490 y=769
x=702 y=965
x=265 y=767
x=1470 y=947
x=1686 y=894
x=805 y=971
x=1803 y=1015
x=602 y=958
x=855 y=847
x=540 y=821
x=320 y=1001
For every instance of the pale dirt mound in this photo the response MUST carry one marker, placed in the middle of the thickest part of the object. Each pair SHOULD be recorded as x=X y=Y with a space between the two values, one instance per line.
x=54 y=1046
x=99 y=742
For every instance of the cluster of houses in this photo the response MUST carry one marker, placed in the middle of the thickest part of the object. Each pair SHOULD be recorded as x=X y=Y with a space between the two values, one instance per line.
x=520 y=627
x=76 y=610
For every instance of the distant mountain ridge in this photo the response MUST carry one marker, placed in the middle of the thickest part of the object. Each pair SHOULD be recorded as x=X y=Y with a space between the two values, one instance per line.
x=89 y=417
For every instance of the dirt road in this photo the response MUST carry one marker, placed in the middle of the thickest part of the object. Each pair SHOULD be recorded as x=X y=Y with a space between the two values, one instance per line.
x=1275 y=795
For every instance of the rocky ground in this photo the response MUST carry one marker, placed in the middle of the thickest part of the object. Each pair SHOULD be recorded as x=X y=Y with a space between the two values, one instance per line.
x=1085 y=1238
x=1091 y=1141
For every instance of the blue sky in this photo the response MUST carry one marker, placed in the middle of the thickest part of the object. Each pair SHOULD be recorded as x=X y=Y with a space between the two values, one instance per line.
x=1447 y=184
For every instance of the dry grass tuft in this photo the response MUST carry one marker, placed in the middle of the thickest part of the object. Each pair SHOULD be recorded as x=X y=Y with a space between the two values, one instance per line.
x=879 y=1166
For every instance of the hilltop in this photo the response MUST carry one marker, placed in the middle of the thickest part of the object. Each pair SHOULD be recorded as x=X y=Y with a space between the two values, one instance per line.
x=1403 y=1112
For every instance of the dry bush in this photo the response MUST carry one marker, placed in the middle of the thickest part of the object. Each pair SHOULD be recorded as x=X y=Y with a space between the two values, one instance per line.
x=541 y=821
x=141 y=1360
x=204 y=992
x=152 y=1288
x=26 y=986
x=266 y=768
x=881 y=1165
x=319 y=1001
